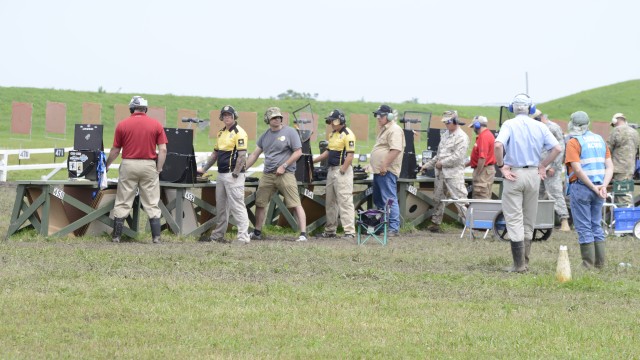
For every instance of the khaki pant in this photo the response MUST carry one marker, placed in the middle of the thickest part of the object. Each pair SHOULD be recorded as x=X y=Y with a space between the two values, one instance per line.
x=483 y=182
x=141 y=175
x=456 y=189
x=230 y=201
x=339 y=201
x=520 y=203
x=286 y=184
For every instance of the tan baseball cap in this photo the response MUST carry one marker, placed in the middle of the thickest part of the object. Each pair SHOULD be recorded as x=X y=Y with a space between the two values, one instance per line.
x=479 y=119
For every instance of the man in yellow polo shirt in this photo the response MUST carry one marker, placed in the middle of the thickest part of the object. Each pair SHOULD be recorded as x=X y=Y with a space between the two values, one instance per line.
x=230 y=152
x=339 y=189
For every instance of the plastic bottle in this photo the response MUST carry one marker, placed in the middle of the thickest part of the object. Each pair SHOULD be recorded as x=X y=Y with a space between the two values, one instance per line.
x=563 y=270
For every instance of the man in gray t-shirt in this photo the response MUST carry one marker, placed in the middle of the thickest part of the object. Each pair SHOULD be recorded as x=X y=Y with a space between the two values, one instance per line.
x=282 y=148
x=277 y=147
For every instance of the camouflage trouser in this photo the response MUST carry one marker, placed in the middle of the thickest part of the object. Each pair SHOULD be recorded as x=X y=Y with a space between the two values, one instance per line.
x=552 y=188
x=623 y=199
x=455 y=188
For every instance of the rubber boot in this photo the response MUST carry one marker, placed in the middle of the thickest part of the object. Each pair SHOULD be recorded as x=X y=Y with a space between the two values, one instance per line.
x=527 y=250
x=588 y=252
x=517 y=251
x=155 y=230
x=600 y=254
x=118 y=224
x=564 y=225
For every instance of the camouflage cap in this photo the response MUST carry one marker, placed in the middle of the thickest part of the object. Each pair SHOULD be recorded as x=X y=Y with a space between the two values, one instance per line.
x=617 y=116
x=448 y=115
x=272 y=112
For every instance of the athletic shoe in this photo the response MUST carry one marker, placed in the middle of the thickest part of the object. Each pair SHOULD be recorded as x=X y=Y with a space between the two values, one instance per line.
x=302 y=238
x=349 y=236
x=253 y=236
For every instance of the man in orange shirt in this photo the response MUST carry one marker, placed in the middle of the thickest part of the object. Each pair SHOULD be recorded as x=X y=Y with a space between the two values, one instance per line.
x=589 y=169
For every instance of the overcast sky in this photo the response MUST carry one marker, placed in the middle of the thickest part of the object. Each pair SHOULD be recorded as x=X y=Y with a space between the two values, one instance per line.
x=452 y=52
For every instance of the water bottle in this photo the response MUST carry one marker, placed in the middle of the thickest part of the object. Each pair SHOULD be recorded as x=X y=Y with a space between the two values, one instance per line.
x=563 y=270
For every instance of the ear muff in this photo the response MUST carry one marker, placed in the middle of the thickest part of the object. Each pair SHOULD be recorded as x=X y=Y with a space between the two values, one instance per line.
x=391 y=116
x=266 y=119
x=614 y=121
x=477 y=125
x=532 y=107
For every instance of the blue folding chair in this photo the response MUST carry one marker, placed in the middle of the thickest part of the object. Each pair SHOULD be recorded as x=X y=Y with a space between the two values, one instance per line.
x=374 y=223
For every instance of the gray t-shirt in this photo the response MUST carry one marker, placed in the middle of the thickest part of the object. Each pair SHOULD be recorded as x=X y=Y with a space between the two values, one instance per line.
x=277 y=147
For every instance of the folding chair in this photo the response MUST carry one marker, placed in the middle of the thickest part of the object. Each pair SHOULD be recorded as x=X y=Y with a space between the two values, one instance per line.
x=374 y=223
x=619 y=188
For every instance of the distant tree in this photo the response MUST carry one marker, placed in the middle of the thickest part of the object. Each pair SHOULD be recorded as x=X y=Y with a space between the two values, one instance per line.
x=291 y=94
x=412 y=101
x=102 y=90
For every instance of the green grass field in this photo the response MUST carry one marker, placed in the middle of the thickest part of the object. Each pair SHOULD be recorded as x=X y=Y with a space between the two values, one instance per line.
x=422 y=296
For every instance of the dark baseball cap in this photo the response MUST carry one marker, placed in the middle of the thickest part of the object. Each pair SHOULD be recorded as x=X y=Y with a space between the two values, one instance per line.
x=335 y=114
x=383 y=109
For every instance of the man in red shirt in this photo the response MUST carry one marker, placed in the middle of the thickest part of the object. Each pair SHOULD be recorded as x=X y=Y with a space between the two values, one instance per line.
x=138 y=136
x=482 y=159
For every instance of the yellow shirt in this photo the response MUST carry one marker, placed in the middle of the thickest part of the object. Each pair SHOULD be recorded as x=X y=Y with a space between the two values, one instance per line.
x=390 y=137
x=229 y=143
x=340 y=143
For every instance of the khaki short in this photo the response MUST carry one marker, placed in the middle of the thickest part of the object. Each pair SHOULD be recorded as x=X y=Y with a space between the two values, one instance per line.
x=286 y=184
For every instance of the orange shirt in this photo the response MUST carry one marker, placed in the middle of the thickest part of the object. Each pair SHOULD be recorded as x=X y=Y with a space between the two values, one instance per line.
x=572 y=154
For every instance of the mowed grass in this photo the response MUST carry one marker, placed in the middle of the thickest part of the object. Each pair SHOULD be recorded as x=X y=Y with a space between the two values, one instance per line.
x=422 y=296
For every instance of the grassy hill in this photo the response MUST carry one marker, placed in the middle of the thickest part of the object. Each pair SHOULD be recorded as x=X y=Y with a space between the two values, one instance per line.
x=600 y=103
x=75 y=99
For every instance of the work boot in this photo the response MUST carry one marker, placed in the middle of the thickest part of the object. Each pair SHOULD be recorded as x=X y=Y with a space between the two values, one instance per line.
x=527 y=250
x=118 y=224
x=517 y=251
x=564 y=225
x=154 y=223
x=588 y=252
x=435 y=228
x=600 y=254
